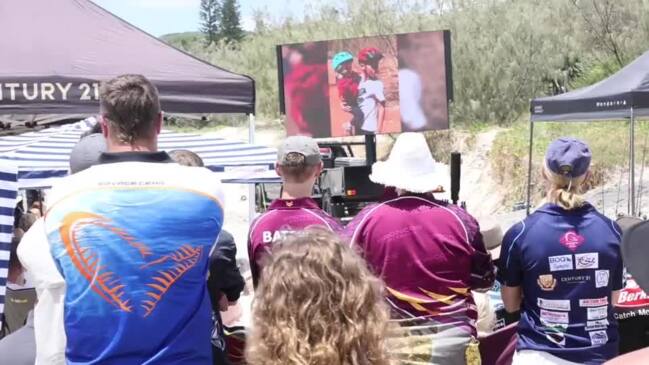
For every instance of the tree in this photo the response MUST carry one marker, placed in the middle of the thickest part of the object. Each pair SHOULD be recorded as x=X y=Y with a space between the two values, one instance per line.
x=210 y=19
x=231 y=22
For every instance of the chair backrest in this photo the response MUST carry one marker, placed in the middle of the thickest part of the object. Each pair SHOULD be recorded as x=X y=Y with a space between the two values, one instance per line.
x=498 y=348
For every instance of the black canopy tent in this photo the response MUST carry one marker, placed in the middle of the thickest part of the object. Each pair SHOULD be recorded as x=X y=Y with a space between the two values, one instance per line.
x=622 y=96
x=55 y=52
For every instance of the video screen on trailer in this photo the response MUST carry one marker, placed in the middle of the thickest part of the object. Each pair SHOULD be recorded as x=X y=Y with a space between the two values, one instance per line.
x=370 y=85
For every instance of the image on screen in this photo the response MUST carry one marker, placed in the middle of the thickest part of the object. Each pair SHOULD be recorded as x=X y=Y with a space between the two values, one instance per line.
x=369 y=85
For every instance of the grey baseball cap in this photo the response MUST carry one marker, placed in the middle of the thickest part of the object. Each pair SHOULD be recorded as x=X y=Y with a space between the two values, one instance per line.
x=305 y=146
x=86 y=152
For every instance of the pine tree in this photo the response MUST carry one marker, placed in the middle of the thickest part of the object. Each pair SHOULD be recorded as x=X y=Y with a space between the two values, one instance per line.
x=210 y=19
x=231 y=21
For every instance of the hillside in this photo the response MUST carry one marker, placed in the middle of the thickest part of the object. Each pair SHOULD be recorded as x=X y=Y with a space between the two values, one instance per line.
x=503 y=54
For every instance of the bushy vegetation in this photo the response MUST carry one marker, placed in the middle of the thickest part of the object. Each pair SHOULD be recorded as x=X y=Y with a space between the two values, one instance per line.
x=607 y=140
x=505 y=52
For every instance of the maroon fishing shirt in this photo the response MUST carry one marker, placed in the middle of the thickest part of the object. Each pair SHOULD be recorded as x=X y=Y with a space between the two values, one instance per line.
x=430 y=255
x=283 y=217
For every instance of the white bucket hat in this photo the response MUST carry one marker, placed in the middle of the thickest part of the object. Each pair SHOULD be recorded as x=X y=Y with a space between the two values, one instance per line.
x=410 y=167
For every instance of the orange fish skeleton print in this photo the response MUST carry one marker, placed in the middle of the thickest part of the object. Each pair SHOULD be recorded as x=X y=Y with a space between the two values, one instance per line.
x=106 y=283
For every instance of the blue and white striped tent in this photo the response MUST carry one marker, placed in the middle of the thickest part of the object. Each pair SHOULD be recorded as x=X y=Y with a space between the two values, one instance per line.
x=44 y=155
x=8 y=192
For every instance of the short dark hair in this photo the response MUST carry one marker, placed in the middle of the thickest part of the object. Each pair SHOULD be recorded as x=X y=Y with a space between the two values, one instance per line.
x=130 y=104
x=295 y=168
x=186 y=158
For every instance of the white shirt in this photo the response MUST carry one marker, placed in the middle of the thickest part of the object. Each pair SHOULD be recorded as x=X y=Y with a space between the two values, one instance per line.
x=34 y=250
x=410 y=89
x=370 y=94
x=34 y=254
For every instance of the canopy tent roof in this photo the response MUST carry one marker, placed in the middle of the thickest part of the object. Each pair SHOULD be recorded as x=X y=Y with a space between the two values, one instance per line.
x=55 y=52
x=613 y=98
x=41 y=156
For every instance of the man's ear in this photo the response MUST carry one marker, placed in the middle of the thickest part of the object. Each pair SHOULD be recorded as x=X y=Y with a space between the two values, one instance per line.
x=104 y=126
x=158 y=123
x=278 y=170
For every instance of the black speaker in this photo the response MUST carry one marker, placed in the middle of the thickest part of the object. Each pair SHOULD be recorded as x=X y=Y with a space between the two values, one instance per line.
x=456 y=168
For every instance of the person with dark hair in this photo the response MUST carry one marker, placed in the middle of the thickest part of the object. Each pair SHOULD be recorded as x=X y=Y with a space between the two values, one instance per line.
x=20 y=296
x=371 y=97
x=298 y=164
x=129 y=239
x=224 y=282
x=561 y=267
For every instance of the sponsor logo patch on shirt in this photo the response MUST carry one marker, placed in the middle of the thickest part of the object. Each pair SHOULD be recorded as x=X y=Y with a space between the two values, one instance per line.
x=587 y=261
x=558 y=305
x=575 y=279
x=598 y=337
x=559 y=263
x=597 y=313
x=601 y=324
x=601 y=278
x=547 y=282
x=593 y=302
x=556 y=333
x=549 y=317
x=572 y=240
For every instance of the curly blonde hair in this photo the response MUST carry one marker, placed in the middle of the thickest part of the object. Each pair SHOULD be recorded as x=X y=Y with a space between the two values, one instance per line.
x=318 y=304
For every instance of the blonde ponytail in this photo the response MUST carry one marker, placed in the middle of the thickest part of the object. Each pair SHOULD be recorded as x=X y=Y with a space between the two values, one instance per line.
x=564 y=191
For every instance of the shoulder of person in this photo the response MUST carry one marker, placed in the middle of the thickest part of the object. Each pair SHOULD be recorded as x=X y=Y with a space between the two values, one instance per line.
x=608 y=223
x=515 y=232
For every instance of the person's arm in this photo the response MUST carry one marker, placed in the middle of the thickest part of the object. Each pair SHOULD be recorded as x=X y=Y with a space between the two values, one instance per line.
x=512 y=297
x=49 y=330
x=615 y=297
x=617 y=276
x=225 y=277
x=380 y=98
x=510 y=271
x=381 y=116
x=483 y=272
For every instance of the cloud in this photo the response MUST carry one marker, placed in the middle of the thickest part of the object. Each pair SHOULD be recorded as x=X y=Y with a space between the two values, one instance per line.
x=248 y=23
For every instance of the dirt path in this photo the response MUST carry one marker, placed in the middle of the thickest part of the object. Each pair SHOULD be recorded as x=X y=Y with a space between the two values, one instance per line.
x=478 y=188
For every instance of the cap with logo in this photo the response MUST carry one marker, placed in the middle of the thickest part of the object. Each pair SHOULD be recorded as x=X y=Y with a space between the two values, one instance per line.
x=568 y=156
x=303 y=145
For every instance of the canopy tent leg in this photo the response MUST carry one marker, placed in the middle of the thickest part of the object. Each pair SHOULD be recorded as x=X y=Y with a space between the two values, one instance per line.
x=251 y=187
x=632 y=205
x=529 y=171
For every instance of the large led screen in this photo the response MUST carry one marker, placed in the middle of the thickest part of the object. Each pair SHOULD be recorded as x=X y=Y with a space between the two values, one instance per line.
x=371 y=85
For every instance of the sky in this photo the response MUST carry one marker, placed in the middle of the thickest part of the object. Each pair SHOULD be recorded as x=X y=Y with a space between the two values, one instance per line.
x=159 y=17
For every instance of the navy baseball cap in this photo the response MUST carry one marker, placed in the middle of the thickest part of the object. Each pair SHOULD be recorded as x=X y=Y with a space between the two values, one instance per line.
x=568 y=156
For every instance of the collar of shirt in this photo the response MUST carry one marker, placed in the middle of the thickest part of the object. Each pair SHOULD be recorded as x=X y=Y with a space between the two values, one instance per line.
x=553 y=209
x=114 y=157
x=307 y=203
